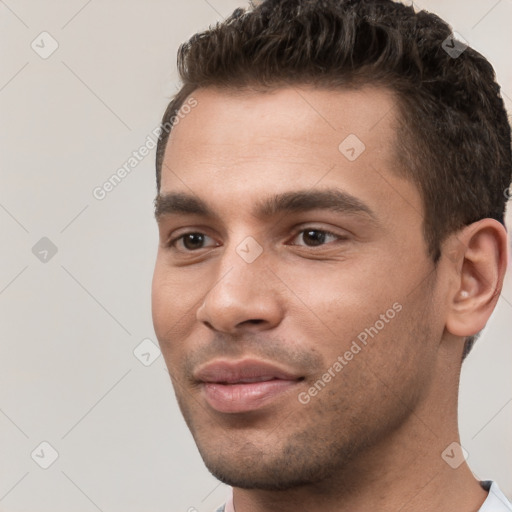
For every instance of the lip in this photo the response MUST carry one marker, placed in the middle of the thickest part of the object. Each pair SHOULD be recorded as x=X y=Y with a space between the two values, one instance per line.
x=243 y=386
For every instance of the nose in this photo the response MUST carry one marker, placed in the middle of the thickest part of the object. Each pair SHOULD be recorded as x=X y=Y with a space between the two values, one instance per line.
x=243 y=296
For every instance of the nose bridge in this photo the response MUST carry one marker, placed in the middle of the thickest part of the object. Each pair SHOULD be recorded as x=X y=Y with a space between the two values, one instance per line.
x=243 y=262
x=243 y=289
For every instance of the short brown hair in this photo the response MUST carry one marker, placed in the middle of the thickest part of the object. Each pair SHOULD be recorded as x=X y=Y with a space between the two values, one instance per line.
x=454 y=137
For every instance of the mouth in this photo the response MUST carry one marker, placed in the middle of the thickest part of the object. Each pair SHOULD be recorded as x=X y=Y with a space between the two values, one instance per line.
x=243 y=386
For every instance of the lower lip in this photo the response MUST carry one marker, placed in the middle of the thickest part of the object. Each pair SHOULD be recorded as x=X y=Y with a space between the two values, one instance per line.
x=232 y=398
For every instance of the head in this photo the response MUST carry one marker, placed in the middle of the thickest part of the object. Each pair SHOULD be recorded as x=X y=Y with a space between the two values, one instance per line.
x=349 y=120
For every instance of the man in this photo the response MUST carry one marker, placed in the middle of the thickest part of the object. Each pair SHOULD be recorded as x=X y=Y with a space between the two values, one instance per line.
x=331 y=191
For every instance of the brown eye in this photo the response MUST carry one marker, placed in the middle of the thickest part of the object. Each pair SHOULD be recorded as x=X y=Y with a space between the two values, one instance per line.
x=193 y=241
x=316 y=237
x=190 y=241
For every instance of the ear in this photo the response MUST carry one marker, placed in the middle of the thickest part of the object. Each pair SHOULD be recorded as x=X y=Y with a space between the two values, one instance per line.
x=479 y=255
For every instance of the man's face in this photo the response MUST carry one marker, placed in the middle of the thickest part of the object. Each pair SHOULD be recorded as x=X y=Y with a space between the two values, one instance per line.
x=293 y=350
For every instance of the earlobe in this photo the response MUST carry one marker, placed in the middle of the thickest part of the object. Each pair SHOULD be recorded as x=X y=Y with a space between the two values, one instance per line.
x=481 y=270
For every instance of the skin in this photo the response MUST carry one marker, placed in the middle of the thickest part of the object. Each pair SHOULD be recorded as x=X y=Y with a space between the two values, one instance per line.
x=372 y=439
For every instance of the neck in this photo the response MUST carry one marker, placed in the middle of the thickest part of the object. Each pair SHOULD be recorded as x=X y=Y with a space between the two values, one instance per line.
x=404 y=472
x=420 y=482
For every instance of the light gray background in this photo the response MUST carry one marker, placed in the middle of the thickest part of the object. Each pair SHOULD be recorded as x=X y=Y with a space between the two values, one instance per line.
x=69 y=326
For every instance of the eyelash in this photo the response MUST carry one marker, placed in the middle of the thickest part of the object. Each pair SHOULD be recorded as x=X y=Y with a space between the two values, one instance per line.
x=172 y=242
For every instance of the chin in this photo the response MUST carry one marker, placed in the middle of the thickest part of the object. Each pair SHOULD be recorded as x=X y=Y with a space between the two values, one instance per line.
x=262 y=478
x=271 y=468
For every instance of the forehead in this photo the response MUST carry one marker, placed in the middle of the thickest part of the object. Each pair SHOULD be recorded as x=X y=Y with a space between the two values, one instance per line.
x=241 y=120
x=236 y=147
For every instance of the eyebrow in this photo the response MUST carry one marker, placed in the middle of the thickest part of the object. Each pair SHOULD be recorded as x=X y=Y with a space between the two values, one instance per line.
x=176 y=203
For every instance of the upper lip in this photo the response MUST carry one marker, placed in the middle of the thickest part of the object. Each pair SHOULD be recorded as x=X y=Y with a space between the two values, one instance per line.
x=247 y=370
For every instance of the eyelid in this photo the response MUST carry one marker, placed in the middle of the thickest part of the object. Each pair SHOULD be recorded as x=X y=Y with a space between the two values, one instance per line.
x=171 y=243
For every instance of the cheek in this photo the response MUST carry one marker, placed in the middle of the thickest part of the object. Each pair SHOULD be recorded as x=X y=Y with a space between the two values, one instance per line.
x=167 y=304
x=341 y=302
x=176 y=293
x=348 y=314
x=158 y=301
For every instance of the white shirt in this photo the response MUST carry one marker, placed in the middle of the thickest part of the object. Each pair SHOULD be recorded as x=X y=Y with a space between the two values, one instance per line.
x=495 y=501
